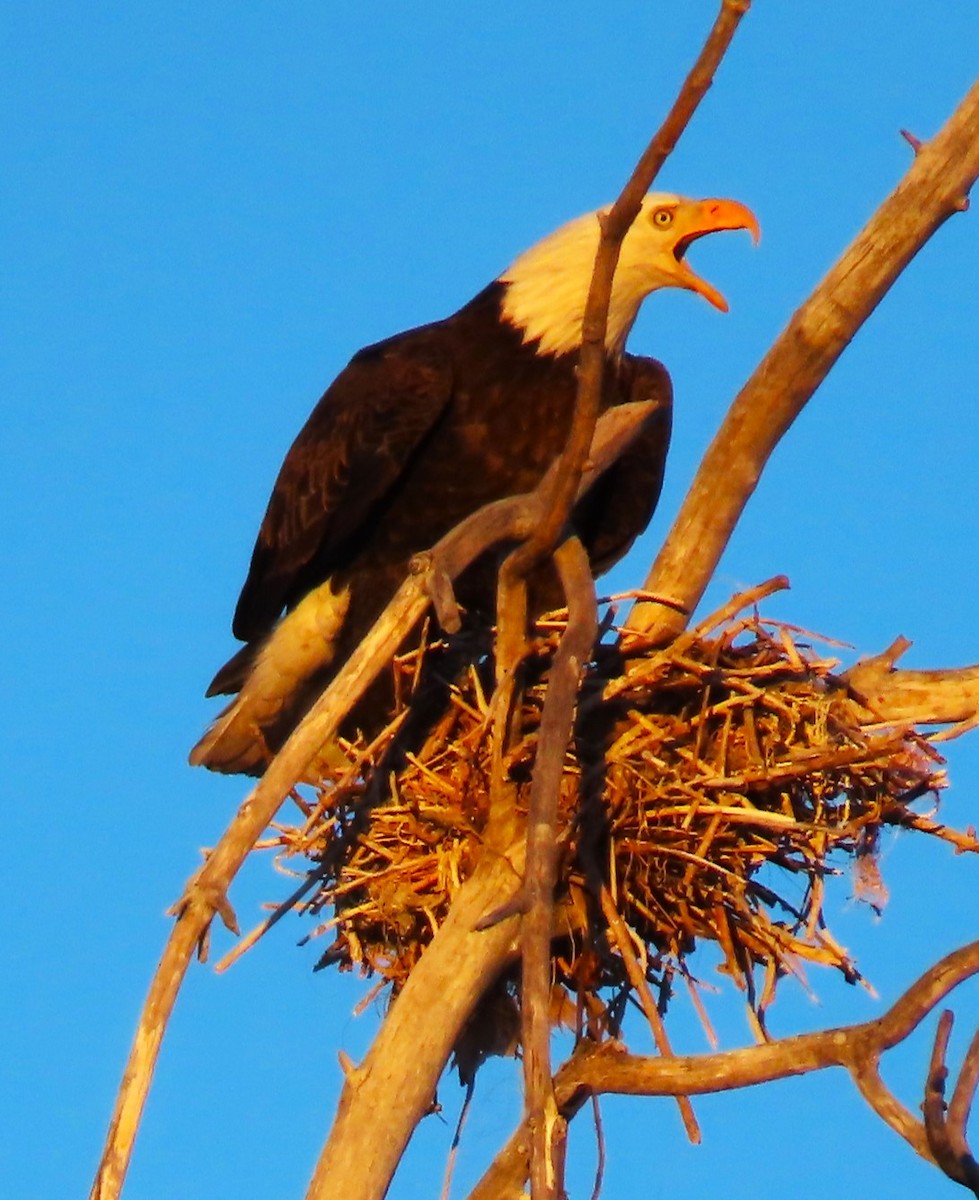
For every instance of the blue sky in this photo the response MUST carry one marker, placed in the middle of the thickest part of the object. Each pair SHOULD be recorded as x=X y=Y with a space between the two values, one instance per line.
x=206 y=210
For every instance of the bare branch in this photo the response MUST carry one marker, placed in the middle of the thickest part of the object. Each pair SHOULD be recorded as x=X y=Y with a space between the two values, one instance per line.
x=965 y=1090
x=574 y=650
x=921 y=697
x=593 y=1070
x=946 y=1133
x=591 y=359
x=620 y=936
x=866 y=1076
x=417 y=1036
x=559 y=707
x=935 y=187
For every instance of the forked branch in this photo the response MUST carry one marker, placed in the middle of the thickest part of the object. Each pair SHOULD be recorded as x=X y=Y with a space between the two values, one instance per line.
x=594 y=1070
x=935 y=186
x=946 y=1124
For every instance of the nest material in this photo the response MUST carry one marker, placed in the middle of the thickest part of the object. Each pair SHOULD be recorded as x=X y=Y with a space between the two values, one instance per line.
x=713 y=787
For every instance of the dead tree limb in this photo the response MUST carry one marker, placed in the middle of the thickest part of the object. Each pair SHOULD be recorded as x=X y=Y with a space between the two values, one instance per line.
x=557 y=722
x=949 y=697
x=559 y=707
x=399 y=1074
x=936 y=186
x=608 y=1068
x=945 y=1125
x=614 y=227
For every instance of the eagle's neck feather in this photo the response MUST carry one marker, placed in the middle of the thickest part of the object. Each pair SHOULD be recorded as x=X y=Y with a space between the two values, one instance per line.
x=546 y=288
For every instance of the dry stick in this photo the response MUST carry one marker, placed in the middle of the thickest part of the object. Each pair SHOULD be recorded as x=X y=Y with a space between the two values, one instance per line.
x=965 y=1091
x=593 y=1070
x=505 y=705
x=935 y=187
x=866 y=1075
x=560 y=496
x=924 y=697
x=599 y=1150
x=206 y=893
x=548 y=1128
x=620 y=937
x=946 y=1137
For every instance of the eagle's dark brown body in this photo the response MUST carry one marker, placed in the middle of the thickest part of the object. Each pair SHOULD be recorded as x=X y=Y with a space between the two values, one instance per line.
x=415 y=434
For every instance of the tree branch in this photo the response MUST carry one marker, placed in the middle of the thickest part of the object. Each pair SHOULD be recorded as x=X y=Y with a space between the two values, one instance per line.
x=557 y=722
x=413 y=1045
x=935 y=187
x=614 y=227
x=619 y=934
x=945 y=1129
x=922 y=697
x=593 y=1070
x=559 y=706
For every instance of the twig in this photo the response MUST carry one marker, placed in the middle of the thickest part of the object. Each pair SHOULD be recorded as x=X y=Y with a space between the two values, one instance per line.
x=548 y=1128
x=935 y=187
x=506 y=706
x=965 y=1090
x=639 y=982
x=596 y=1190
x=945 y=1132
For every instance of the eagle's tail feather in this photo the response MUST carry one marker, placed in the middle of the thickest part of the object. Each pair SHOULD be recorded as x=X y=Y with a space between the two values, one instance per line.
x=233 y=744
x=272 y=678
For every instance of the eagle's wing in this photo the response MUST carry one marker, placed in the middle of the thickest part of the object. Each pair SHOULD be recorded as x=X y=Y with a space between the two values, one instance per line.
x=618 y=506
x=343 y=465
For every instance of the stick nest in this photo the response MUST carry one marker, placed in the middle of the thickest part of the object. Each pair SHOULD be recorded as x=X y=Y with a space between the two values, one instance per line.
x=713 y=787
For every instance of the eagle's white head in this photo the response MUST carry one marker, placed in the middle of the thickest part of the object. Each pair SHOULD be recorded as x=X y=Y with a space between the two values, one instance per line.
x=547 y=286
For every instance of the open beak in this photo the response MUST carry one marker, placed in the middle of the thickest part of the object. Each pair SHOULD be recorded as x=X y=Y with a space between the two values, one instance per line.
x=696 y=219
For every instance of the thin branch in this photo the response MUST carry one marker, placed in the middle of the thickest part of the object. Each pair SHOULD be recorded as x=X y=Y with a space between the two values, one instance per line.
x=615 y=226
x=935 y=186
x=609 y=1068
x=558 y=712
x=866 y=1075
x=620 y=937
x=965 y=1090
x=945 y=1132
x=574 y=650
x=599 y=1149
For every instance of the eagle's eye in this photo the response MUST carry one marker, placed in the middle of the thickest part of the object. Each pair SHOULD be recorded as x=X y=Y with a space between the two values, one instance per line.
x=663 y=217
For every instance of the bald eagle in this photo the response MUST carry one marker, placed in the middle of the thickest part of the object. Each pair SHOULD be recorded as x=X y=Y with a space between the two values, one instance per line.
x=421 y=430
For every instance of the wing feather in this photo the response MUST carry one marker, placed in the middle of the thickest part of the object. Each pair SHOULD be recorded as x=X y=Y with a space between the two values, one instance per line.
x=346 y=460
